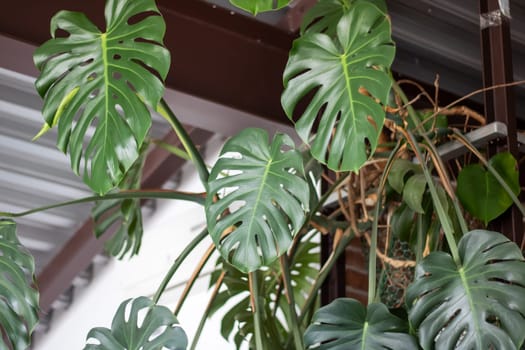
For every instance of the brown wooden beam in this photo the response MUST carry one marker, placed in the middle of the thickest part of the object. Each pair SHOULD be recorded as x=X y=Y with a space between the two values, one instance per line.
x=499 y=103
x=217 y=55
x=78 y=252
x=291 y=22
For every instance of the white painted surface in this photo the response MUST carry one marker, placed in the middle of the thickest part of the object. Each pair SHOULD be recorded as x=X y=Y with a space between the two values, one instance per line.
x=167 y=232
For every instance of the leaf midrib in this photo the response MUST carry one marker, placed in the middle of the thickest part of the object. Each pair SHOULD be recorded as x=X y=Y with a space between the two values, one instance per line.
x=466 y=287
x=348 y=88
x=364 y=336
x=259 y=194
x=103 y=44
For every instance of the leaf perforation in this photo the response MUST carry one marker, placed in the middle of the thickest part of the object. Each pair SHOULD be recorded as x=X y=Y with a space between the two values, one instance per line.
x=95 y=58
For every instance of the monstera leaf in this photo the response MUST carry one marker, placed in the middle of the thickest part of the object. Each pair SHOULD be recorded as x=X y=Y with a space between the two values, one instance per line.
x=324 y=16
x=126 y=213
x=479 y=191
x=257 y=6
x=103 y=81
x=346 y=81
x=18 y=298
x=345 y=324
x=158 y=329
x=264 y=189
x=478 y=304
x=237 y=319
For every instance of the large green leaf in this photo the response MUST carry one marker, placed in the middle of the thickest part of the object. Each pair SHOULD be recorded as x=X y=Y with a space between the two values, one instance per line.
x=479 y=191
x=345 y=324
x=324 y=16
x=479 y=304
x=103 y=81
x=343 y=78
x=126 y=213
x=258 y=6
x=18 y=298
x=158 y=329
x=237 y=319
x=262 y=186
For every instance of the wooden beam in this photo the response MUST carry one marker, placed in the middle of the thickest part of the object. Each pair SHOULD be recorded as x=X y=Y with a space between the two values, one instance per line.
x=291 y=22
x=217 y=55
x=500 y=106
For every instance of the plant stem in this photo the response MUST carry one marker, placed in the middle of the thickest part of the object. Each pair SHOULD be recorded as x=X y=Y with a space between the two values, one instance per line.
x=202 y=322
x=325 y=271
x=172 y=149
x=125 y=194
x=293 y=321
x=193 y=278
x=420 y=238
x=176 y=264
x=256 y=309
x=442 y=215
x=372 y=256
x=164 y=110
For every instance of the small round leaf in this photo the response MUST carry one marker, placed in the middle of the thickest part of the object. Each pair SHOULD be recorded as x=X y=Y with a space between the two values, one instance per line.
x=479 y=191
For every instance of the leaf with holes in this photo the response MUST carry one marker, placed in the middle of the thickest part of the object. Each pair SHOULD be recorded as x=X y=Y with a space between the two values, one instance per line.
x=266 y=194
x=158 y=329
x=347 y=324
x=237 y=318
x=324 y=15
x=478 y=303
x=102 y=84
x=125 y=213
x=479 y=191
x=258 y=6
x=345 y=81
x=18 y=298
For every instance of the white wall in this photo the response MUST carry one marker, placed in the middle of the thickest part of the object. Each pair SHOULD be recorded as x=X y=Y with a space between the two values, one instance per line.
x=167 y=232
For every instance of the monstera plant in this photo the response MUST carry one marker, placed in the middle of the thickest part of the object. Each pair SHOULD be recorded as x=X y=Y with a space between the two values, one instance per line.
x=368 y=169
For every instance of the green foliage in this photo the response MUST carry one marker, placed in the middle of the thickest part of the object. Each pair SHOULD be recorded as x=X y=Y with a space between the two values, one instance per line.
x=237 y=322
x=264 y=188
x=18 y=298
x=346 y=75
x=336 y=84
x=158 y=330
x=345 y=324
x=401 y=170
x=324 y=16
x=125 y=213
x=413 y=192
x=479 y=191
x=479 y=304
x=258 y=6
x=406 y=178
x=91 y=79
x=440 y=121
